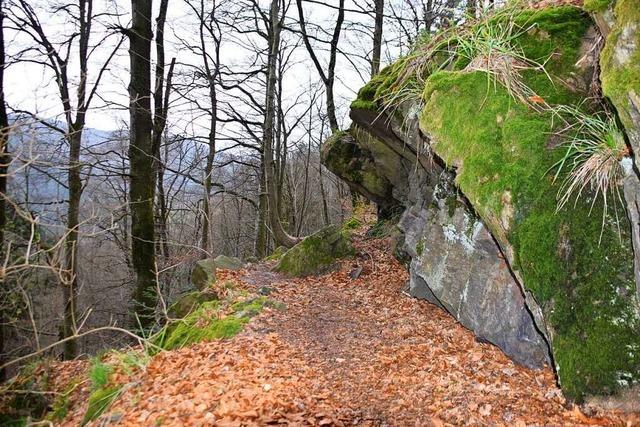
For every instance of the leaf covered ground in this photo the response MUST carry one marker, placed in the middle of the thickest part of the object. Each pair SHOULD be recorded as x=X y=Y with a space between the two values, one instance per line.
x=338 y=352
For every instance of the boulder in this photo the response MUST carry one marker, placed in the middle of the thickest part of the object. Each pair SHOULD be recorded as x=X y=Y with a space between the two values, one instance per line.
x=224 y=262
x=204 y=274
x=316 y=253
x=491 y=246
x=456 y=265
x=186 y=303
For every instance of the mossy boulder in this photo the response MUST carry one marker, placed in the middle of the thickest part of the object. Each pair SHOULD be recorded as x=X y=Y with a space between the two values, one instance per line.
x=186 y=303
x=360 y=168
x=204 y=274
x=316 y=253
x=576 y=272
x=224 y=262
x=276 y=254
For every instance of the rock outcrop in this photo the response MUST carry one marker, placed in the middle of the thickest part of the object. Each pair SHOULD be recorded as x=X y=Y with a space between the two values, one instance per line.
x=469 y=161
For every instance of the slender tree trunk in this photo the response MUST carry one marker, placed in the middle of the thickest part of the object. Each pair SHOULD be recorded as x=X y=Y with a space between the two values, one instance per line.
x=323 y=194
x=161 y=208
x=279 y=233
x=70 y=285
x=212 y=76
x=142 y=165
x=208 y=171
x=328 y=78
x=4 y=168
x=160 y=110
x=261 y=220
x=377 y=37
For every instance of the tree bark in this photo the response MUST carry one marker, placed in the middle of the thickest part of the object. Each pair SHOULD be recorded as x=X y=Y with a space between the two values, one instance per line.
x=142 y=164
x=279 y=233
x=4 y=167
x=328 y=78
x=377 y=37
x=261 y=221
x=160 y=111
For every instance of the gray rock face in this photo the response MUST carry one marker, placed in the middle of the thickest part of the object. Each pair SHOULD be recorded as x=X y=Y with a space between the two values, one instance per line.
x=204 y=274
x=228 y=262
x=454 y=261
x=457 y=265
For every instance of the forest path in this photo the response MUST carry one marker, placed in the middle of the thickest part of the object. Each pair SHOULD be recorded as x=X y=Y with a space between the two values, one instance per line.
x=344 y=352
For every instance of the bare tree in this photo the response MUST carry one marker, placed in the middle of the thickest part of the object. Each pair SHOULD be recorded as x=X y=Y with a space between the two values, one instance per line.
x=57 y=57
x=142 y=164
x=328 y=77
x=4 y=167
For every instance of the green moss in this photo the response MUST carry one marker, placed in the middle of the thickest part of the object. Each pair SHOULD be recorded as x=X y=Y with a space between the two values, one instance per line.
x=203 y=324
x=316 y=252
x=251 y=307
x=420 y=247
x=620 y=76
x=276 y=254
x=597 y=5
x=186 y=303
x=13 y=421
x=352 y=223
x=99 y=373
x=503 y=150
x=99 y=401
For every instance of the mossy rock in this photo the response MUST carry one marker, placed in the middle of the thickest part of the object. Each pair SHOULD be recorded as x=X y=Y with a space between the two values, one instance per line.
x=204 y=274
x=189 y=302
x=344 y=156
x=316 y=252
x=620 y=66
x=224 y=262
x=211 y=321
x=501 y=152
x=276 y=254
x=500 y=149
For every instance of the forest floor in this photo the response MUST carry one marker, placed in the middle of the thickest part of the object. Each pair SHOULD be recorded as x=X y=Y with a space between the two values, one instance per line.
x=342 y=352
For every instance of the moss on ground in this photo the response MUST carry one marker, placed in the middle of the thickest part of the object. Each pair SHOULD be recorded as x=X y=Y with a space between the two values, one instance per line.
x=211 y=321
x=501 y=149
x=316 y=252
x=597 y=5
x=620 y=80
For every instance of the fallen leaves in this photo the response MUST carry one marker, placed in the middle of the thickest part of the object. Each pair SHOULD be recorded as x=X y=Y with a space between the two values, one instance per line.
x=345 y=351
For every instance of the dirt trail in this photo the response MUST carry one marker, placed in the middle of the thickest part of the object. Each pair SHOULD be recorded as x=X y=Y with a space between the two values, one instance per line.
x=344 y=352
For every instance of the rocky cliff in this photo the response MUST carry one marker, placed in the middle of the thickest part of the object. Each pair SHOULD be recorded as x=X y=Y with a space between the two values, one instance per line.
x=470 y=145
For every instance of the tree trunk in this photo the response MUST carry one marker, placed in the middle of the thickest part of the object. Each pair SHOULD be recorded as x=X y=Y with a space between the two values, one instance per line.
x=4 y=167
x=160 y=110
x=261 y=220
x=70 y=282
x=142 y=165
x=279 y=233
x=377 y=37
x=328 y=78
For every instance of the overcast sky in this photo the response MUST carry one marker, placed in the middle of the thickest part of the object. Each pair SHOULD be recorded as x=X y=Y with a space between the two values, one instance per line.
x=32 y=87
